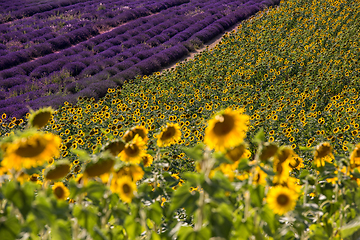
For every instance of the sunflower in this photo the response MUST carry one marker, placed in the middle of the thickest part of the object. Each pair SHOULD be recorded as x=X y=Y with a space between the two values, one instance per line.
x=236 y=153
x=115 y=147
x=58 y=170
x=134 y=150
x=125 y=187
x=135 y=172
x=267 y=151
x=169 y=135
x=30 y=149
x=296 y=162
x=139 y=130
x=60 y=191
x=259 y=176
x=103 y=164
x=323 y=154
x=147 y=160
x=41 y=117
x=355 y=157
x=281 y=200
x=227 y=129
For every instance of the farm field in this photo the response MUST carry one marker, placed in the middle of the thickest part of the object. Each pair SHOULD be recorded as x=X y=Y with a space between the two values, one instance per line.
x=55 y=52
x=255 y=138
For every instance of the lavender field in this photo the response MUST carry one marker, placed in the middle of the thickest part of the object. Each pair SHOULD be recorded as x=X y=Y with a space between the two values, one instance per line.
x=51 y=52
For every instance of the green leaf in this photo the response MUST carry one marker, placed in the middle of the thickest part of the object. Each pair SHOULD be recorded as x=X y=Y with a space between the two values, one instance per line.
x=221 y=221
x=268 y=216
x=41 y=214
x=20 y=195
x=259 y=136
x=303 y=174
x=155 y=212
x=61 y=230
x=244 y=165
x=74 y=189
x=196 y=152
x=132 y=227
x=87 y=217
x=188 y=233
x=95 y=191
x=183 y=198
x=9 y=227
x=221 y=158
x=350 y=228
x=257 y=195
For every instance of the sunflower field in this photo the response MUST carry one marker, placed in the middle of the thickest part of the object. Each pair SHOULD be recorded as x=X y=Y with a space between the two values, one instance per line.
x=256 y=138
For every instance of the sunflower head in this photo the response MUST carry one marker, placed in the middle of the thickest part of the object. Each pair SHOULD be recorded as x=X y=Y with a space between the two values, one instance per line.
x=147 y=160
x=281 y=200
x=169 y=135
x=41 y=117
x=284 y=153
x=57 y=170
x=133 y=150
x=139 y=130
x=267 y=151
x=125 y=187
x=135 y=172
x=355 y=157
x=296 y=162
x=115 y=147
x=60 y=191
x=322 y=150
x=29 y=149
x=102 y=164
x=237 y=153
x=226 y=129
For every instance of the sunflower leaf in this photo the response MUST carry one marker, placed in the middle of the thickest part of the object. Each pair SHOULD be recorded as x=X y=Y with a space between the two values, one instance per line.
x=196 y=152
x=60 y=230
x=259 y=137
x=9 y=227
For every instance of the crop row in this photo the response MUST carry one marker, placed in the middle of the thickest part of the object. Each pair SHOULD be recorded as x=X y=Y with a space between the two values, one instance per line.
x=76 y=31
x=141 y=46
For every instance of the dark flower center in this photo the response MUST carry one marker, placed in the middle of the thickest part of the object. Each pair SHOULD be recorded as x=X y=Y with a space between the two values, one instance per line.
x=224 y=125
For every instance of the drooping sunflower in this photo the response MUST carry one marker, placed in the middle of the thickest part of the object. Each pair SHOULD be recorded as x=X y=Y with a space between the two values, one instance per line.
x=296 y=162
x=139 y=130
x=115 y=147
x=60 y=191
x=323 y=154
x=236 y=153
x=125 y=187
x=30 y=149
x=41 y=117
x=147 y=160
x=169 y=135
x=58 y=170
x=227 y=129
x=135 y=172
x=281 y=200
x=133 y=150
x=101 y=165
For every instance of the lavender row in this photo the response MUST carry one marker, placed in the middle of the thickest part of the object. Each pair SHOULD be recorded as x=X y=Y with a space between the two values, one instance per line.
x=66 y=40
x=27 y=32
x=129 y=38
x=114 y=68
